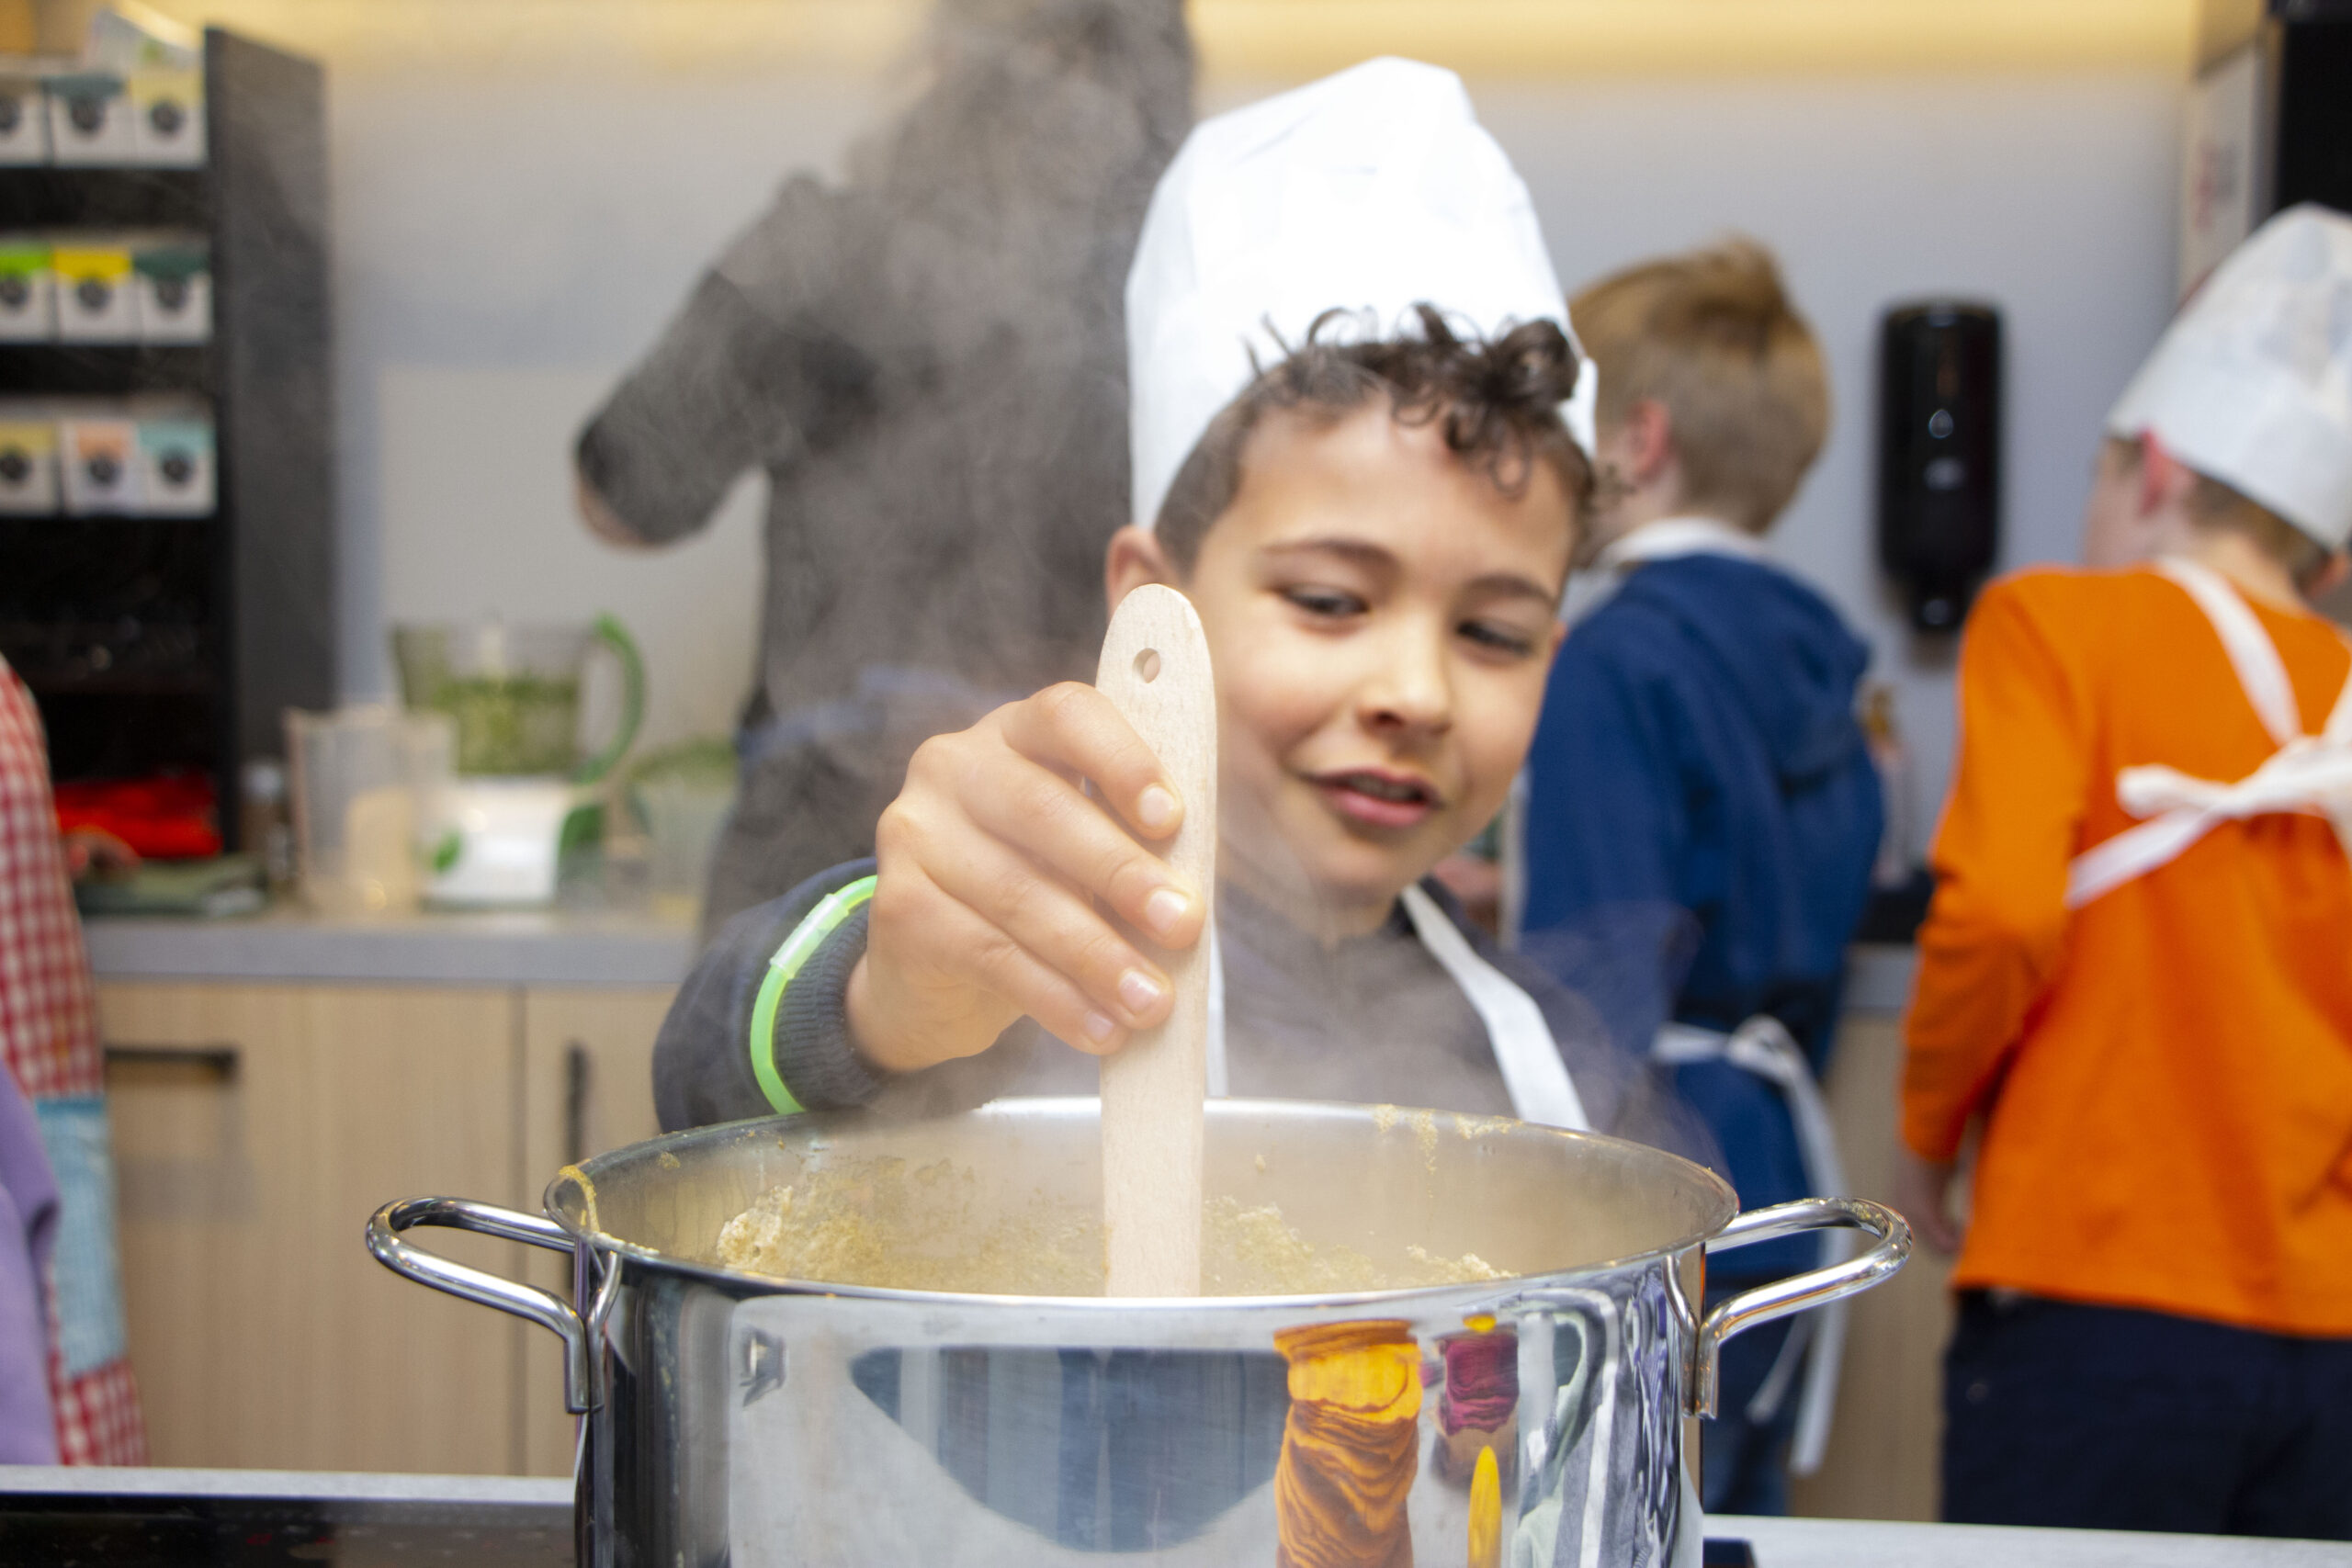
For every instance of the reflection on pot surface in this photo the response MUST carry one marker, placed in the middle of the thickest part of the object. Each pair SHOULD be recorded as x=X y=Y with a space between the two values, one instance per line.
x=1325 y=1449
x=1349 y=1449
x=1534 y=1420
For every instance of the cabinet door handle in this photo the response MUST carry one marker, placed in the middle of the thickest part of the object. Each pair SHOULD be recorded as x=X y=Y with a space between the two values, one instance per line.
x=219 y=1058
x=577 y=1070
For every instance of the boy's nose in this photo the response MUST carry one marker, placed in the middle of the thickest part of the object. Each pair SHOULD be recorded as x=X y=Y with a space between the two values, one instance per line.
x=1408 y=689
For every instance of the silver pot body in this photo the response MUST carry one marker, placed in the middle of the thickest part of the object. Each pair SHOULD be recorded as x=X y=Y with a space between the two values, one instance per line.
x=1538 y=1420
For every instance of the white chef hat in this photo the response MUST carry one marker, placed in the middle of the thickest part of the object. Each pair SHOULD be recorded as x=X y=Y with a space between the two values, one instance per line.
x=1370 y=191
x=2252 y=383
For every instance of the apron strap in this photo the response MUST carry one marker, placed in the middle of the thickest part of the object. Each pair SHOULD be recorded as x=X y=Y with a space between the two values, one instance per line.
x=2253 y=655
x=2262 y=674
x=2132 y=854
x=1763 y=1047
x=2338 y=734
x=1541 y=1089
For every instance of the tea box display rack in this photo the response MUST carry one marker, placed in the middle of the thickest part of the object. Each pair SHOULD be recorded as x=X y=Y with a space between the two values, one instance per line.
x=167 y=474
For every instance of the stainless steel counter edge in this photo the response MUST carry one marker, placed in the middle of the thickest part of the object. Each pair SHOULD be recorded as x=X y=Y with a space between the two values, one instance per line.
x=1849 y=1543
x=518 y=948
x=1779 y=1543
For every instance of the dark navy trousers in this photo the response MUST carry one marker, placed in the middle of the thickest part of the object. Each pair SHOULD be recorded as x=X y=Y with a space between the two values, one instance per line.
x=2103 y=1417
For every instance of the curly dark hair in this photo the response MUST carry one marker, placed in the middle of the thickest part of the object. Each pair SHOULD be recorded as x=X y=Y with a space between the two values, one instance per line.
x=1498 y=397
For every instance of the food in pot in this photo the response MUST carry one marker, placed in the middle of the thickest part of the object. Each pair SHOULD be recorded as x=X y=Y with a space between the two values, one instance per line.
x=889 y=1223
x=879 y=1222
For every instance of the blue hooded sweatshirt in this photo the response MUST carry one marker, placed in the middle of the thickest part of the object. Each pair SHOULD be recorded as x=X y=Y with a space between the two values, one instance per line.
x=1702 y=819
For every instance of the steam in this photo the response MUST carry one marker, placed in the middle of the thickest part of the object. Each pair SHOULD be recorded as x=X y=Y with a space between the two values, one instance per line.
x=941 y=510
x=938 y=523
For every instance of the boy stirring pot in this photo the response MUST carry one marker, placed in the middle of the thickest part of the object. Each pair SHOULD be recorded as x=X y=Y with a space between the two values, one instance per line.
x=1362 y=436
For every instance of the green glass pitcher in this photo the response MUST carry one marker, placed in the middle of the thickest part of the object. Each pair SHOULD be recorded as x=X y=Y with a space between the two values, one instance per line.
x=513 y=693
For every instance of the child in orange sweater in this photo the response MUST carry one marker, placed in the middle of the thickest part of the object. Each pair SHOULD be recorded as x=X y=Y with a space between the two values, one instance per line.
x=2137 y=973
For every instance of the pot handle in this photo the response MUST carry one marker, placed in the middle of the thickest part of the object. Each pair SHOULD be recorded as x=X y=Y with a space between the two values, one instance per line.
x=1814 y=1288
x=543 y=1307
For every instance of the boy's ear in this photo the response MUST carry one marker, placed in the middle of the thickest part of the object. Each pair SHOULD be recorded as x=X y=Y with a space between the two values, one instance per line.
x=2330 y=577
x=1648 y=440
x=2164 y=480
x=1134 y=558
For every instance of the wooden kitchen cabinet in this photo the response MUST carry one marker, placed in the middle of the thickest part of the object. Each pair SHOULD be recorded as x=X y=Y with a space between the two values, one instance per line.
x=588 y=1086
x=256 y=1126
x=262 y=1333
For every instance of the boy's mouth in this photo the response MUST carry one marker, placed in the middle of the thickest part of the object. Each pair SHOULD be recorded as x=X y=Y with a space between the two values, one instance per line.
x=1377 y=799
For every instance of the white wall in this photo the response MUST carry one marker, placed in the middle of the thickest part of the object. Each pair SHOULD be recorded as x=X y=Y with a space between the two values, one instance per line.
x=2050 y=196
x=505 y=246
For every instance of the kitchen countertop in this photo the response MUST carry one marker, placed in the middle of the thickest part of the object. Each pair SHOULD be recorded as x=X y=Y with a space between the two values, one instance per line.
x=539 y=947
x=455 y=1519
x=334 y=1484
x=525 y=947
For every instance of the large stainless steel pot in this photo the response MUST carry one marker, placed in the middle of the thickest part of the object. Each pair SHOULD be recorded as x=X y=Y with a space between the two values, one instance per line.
x=749 y=1421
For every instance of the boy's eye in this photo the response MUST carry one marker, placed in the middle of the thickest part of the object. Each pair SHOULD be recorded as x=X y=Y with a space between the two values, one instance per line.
x=1501 y=637
x=1325 y=601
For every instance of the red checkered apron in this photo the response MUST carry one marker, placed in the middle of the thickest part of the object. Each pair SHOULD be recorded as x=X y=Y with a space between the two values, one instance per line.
x=49 y=1036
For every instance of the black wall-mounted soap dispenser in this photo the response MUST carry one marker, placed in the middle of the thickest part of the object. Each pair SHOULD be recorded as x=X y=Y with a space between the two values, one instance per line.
x=1939 y=454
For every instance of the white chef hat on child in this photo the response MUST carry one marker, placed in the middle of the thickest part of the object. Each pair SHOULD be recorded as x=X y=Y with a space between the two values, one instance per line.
x=1370 y=191
x=2252 y=383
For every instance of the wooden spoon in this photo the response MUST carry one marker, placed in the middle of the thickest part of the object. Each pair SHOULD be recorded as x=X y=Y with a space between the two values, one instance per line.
x=1156 y=669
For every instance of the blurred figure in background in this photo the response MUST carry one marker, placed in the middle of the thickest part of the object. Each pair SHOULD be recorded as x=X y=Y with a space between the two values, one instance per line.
x=930 y=365
x=63 y=1362
x=1702 y=811
x=2138 y=966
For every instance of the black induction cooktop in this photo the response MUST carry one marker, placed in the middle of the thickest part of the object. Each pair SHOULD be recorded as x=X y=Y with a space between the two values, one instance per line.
x=158 y=1518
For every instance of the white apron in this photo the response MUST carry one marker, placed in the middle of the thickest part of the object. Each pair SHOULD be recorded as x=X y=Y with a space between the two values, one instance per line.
x=1534 y=1074
x=2308 y=772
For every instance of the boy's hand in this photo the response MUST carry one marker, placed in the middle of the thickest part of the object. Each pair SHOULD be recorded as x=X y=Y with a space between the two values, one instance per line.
x=1923 y=1196
x=996 y=870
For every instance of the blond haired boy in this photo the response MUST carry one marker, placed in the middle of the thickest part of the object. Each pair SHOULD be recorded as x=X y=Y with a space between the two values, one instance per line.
x=1701 y=814
x=2137 y=973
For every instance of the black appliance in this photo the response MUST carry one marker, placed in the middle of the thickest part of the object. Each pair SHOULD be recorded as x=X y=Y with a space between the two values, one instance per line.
x=2270 y=122
x=1939 y=454
x=165 y=1519
x=2310 y=43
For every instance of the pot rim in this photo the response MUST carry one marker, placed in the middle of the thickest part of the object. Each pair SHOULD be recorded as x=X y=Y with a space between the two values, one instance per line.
x=583 y=1173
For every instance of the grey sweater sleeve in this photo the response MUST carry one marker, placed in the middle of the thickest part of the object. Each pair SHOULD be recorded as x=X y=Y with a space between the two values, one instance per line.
x=753 y=370
x=702 y=1062
x=814 y=1055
